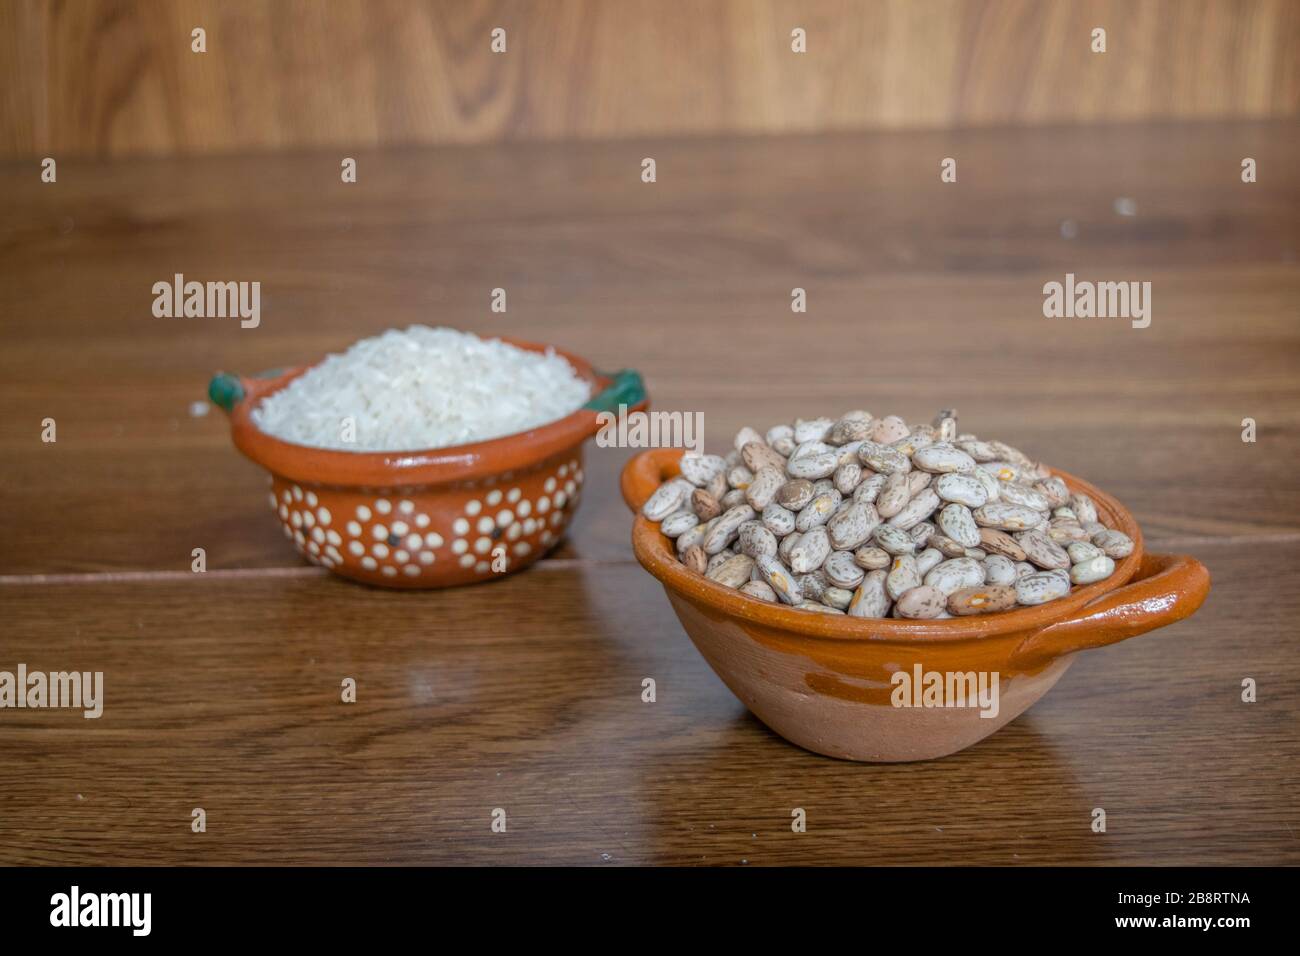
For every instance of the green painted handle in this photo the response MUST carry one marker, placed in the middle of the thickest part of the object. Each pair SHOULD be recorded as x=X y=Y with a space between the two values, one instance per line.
x=225 y=390
x=625 y=389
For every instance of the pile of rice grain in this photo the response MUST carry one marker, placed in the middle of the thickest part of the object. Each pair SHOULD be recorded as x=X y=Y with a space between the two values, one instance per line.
x=422 y=388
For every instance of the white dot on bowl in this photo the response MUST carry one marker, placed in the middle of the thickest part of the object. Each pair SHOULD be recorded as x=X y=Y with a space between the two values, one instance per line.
x=389 y=571
x=308 y=518
x=543 y=505
x=433 y=539
x=524 y=508
x=530 y=526
x=514 y=531
x=333 y=552
x=550 y=485
x=473 y=507
x=564 y=470
x=363 y=512
x=369 y=563
x=354 y=529
x=426 y=557
x=406 y=507
x=297 y=493
x=494 y=497
x=556 y=518
x=284 y=513
x=578 y=474
x=313 y=547
x=311 y=499
x=569 y=488
x=422 y=521
x=483 y=545
x=482 y=567
x=400 y=556
x=296 y=519
x=400 y=528
x=413 y=541
x=288 y=532
x=274 y=501
x=334 y=537
x=411 y=570
x=547 y=536
x=323 y=514
x=380 y=550
x=379 y=532
x=299 y=538
x=383 y=506
x=522 y=548
x=466 y=560
x=318 y=535
x=485 y=524
x=357 y=548
x=285 y=496
x=560 y=499
x=504 y=518
x=459 y=546
x=513 y=495
x=460 y=526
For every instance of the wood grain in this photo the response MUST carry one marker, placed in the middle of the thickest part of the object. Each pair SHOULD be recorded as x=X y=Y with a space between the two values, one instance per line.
x=525 y=694
x=118 y=77
x=223 y=689
x=938 y=288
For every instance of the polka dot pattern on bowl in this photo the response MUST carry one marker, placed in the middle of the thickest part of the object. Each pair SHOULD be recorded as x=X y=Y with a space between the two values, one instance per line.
x=411 y=535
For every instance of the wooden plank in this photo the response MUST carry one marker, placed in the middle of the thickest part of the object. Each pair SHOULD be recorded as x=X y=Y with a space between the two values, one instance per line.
x=222 y=692
x=112 y=78
x=937 y=293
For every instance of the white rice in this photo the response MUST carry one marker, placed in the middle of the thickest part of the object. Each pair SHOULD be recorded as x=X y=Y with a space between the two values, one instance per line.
x=422 y=388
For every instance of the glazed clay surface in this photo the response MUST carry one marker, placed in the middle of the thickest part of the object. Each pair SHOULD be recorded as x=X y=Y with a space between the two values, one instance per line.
x=825 y=681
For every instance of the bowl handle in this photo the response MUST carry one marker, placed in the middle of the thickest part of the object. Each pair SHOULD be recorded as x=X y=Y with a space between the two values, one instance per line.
x=646 y=471
x=1166 y=588
x=625 y=388
x=226 y=390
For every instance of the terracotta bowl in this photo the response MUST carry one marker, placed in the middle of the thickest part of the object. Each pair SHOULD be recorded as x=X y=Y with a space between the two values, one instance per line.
x=426 y=519
x=824 y=682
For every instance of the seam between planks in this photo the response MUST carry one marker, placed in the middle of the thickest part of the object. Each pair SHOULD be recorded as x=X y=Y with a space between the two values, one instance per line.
x=550 y=564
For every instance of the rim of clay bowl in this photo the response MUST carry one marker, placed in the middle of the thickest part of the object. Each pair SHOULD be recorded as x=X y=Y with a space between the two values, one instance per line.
x=655 y=553
x=239 y=395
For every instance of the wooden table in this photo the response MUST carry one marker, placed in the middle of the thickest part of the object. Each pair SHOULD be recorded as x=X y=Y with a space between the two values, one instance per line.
x=222 y=688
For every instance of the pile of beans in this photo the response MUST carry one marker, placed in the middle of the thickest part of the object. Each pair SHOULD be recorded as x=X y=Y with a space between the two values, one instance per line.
x=871 y=517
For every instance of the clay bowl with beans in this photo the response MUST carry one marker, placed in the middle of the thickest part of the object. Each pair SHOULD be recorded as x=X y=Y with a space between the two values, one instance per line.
x=831 y=682
x=426 y=519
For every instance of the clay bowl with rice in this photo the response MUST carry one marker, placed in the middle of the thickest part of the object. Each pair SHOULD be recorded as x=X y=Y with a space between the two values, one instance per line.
x=830 y=683
x=435 y=516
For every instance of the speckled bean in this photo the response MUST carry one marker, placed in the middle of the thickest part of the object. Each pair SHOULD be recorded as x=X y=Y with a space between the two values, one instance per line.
x=778 y=577
x=902 y=576
x=1041 y=587
x=813 y=548
x=871 y=598
x=920 y=603
x=981 y=600
x=957 y=522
